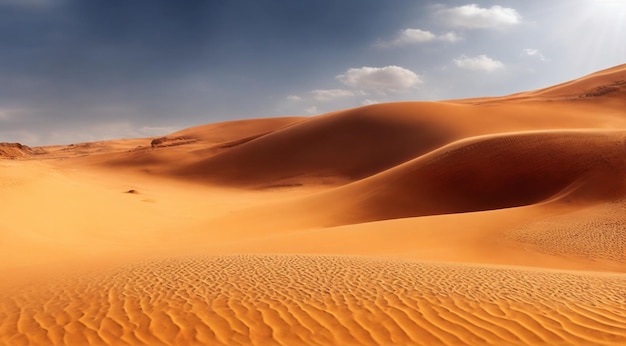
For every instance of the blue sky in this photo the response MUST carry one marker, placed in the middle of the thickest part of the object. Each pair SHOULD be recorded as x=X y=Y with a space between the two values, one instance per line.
x=78 y=70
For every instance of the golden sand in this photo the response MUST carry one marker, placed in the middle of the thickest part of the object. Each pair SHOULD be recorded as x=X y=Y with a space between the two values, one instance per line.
x=318 y=299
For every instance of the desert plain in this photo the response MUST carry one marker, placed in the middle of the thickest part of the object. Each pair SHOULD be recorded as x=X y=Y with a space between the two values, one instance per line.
x=487 y=221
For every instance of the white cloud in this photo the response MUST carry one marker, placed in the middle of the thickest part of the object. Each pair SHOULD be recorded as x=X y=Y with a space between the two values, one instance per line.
x=531 y=52
x=416 y=36
x=450 y=37
x=294 y=98
x=478 y=63
x=471 y=16
x=380 y=79
x=331 y=94
x=311 y=110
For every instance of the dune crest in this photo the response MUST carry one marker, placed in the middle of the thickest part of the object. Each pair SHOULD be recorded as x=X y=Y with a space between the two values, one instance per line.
x=610 y=82
x=15 y=150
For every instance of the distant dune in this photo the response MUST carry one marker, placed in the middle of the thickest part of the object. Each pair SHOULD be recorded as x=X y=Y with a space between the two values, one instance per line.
x=485 y=221
x=15 y=150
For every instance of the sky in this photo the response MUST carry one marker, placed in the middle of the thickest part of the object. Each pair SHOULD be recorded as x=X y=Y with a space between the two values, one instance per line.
x=76 y=70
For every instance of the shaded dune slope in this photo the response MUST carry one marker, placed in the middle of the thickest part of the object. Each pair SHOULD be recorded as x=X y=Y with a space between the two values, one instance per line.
x=338 y=300
x=340 y=146
x=484 y=173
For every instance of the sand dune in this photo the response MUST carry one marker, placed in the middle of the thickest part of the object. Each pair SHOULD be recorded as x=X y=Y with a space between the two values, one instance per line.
x=494 y=220
x=606 y=86
x=319 y=148
x=351 y=145
x=236 y=130
x=15 y=150
x=606 y=83
x=485 y=173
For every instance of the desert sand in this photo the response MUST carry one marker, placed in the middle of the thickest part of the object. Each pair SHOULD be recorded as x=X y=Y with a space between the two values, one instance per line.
x=487 y=221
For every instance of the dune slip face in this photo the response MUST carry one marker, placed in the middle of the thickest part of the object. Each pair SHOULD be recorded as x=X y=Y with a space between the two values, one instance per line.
x=487 y=221
x=490 y=172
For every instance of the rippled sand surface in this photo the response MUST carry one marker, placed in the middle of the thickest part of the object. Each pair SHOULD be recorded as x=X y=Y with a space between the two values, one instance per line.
x=291 y=299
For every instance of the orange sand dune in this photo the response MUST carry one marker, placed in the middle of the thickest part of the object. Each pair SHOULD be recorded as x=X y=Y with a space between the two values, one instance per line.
x=15 y=150
x=610 y=82
x=607 y=86
x=354 y=144
x=236 y=130
x=491 y=172
x=493 y=221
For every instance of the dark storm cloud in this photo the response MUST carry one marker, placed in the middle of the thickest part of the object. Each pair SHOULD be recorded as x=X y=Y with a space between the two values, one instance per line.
x=86 y=47
x=101 y=44
x=65 y=63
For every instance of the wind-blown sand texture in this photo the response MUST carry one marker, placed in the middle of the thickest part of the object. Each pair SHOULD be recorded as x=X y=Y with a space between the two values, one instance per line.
x=492 y=221
x=295 y=299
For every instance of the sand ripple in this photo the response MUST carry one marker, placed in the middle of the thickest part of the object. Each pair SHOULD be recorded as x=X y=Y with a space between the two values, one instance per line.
x=338 y=300
x=598 y=232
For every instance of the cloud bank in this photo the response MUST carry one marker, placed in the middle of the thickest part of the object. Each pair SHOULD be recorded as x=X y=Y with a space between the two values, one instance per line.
x=478 y=63
x=417 y=36
x=474 y=17
x=380 y=79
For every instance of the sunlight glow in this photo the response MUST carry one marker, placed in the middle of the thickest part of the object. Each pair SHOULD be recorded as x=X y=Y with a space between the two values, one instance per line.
x=611 y=9
x=598 y=28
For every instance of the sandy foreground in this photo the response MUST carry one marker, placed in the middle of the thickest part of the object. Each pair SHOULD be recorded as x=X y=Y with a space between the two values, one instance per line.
x=492 y=221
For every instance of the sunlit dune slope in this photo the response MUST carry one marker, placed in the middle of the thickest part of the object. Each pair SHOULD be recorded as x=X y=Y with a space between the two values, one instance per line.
x=607 y=86
x=238 y=131
x=318 y=299
x=597 y=233
x=158 y=154
x=607 y=83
